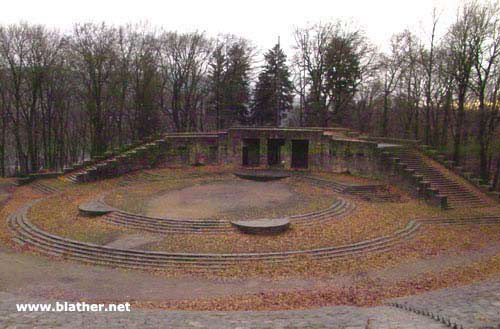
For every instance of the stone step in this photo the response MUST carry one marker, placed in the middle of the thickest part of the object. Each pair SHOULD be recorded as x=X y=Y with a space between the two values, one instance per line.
x=86 y=252
x=459 y=195
x=163 y=225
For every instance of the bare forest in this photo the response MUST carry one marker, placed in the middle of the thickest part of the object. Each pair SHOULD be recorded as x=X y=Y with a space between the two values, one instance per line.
x=68 y=96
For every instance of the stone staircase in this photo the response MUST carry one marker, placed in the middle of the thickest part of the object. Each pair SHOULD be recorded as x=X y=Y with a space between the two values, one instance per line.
x=113 y=164
x=459 y=194
x=371 y=192
x=44 y=188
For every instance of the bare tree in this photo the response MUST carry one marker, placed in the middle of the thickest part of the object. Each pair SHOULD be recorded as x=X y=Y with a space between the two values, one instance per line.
x=184 y=64
x=390 y=68
x=487 y=50
x=462 y=54
x=29 y=54
x=335 y=59
x=428 y=63
x=94 y=59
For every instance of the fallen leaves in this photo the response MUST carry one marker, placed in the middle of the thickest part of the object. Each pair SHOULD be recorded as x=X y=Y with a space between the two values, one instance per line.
x=58 y=214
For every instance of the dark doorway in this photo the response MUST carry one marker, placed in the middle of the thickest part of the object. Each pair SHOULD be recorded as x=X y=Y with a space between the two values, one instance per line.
x=183 y=152
x=212 y=155
x=274 y=151
x=300 y=153
x=251 y=152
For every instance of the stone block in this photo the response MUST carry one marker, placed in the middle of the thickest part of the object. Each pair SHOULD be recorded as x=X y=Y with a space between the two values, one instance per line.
x=81 y=177
x=422 y=187
x=424 y=147
x=449 y=164
x=92 y=174
x=431 y=192
x=24 y=180
x=440 y=157
x=495 y=195
x=485 y=187
x=476 y=181
x=402 y=165
x=441 y=201
x=416 y=179
x=386 y=154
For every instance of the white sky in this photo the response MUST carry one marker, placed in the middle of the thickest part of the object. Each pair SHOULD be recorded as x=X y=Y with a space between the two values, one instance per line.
x=261 y=21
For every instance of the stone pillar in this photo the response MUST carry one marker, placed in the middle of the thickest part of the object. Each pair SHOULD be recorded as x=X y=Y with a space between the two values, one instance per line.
x=195 y=158
x=230 y=151
x=287 y=153
x=263 y=152
x=315 y=154
x=325 y=154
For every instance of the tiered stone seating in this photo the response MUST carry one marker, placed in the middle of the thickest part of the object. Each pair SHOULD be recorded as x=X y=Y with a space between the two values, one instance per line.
x=339 y=208
x=28 y=234
x=43 y=188
x=370 y=192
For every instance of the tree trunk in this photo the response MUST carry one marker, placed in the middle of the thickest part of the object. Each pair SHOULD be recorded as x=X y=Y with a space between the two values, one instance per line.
x=496 y=179
x=427 y=125
x=483 y=159
x=446 y=120
x=385 y=115
x=457 y=147
x=2 y=148
x=417 y=123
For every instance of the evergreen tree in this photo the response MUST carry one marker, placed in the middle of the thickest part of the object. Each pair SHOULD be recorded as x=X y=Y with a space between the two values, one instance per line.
x=237 y=94
x=217 y=83
x=273 y=93
x=229 y=83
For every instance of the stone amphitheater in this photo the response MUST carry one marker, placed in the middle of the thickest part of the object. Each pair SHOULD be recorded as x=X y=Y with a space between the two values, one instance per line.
x=255 y=228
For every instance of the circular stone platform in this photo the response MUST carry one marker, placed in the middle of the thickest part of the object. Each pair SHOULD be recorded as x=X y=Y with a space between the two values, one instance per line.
x=211 y=200
x=262 y=175
x=208 y=204
x=94 y=208
x=263 y=226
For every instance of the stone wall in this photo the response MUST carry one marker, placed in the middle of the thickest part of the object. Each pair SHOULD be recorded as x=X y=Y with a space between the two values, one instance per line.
x=355 y=156
x=237 y=137
x=189 y=150
x=334 y=149
x=172 y=150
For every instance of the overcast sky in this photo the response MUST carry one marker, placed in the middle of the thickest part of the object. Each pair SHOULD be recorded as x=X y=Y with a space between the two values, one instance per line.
x=261 y=21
